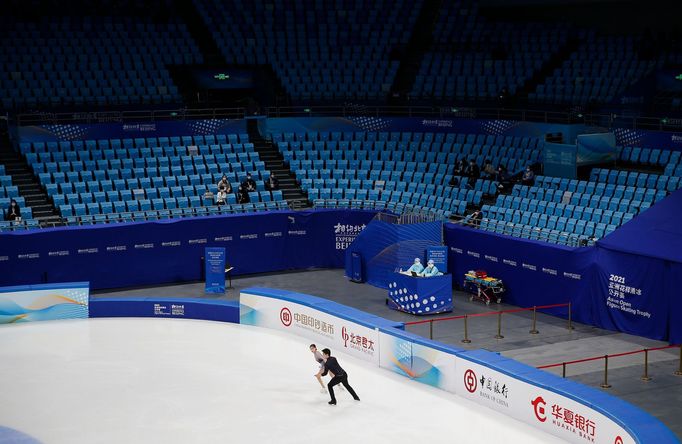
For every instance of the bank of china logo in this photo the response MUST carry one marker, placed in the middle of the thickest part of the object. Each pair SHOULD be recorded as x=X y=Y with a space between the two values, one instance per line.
x=285 y=316
x=470 y=381
x=539 y=405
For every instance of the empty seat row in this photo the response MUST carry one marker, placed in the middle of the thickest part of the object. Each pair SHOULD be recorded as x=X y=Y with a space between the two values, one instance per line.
x=151 y=215
x=140 y=142
x=634 y=178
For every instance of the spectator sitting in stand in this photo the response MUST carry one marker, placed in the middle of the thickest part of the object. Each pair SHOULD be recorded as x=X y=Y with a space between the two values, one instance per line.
x=475 y=218
x=528 y=177
x=272 y=184
x=488 y=169
x=243 y=195
x=224 y=183
x=474 y=172
x=249 y=184
x=221 y=196
x=460 y=168
x=13 y=212
x=502 y=179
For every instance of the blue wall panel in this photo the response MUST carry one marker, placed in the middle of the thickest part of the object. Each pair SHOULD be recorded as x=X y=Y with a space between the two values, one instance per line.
x=134 y=254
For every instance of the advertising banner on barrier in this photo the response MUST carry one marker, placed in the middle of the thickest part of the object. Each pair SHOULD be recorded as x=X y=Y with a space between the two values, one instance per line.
x=544 y=409
x=418 y=362
x=214 y=258
x=396 y=354
x=44 y=302
x=434 y=367
x=155 y=252
x=557 y=406
x=323 y=329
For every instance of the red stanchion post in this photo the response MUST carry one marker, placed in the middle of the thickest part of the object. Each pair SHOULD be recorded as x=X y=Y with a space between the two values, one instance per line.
x=563 y=369
x=570 y=324
x=645 y=376
x=606 y=384
x=431 y=329
x=499 y=326
x=534 y=330
x=466 y=339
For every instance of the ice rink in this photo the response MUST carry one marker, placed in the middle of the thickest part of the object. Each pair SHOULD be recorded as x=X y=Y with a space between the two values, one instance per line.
x=182 y=381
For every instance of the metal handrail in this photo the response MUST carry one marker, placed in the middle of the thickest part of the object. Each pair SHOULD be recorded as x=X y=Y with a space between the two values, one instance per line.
x=608 y=120
x=121 y=216
x=153 y=115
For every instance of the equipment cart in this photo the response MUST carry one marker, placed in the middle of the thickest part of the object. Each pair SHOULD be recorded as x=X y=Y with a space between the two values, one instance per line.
x=483 y=287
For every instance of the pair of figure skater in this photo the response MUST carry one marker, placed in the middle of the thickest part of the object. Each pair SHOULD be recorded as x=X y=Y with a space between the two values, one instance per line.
x=329 y=364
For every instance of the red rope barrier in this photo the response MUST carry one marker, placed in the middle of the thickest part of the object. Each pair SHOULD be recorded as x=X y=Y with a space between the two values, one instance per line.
x=595 y=358
x=488 y=313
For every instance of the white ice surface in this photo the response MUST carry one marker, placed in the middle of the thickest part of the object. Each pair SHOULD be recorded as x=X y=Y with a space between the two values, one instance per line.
x=182 y=381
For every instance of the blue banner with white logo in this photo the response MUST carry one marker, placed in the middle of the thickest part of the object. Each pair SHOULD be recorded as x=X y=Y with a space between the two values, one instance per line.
x=628 y=294
x=439 y=256
x=214 y=259
x=167 y=251
x=533 y=273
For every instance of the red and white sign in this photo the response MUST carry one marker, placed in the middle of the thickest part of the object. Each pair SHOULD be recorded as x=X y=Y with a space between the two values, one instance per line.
x=548 y=411
x=322 y=328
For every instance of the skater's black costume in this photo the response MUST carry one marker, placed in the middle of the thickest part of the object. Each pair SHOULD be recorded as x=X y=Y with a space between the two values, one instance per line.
x=340 y=377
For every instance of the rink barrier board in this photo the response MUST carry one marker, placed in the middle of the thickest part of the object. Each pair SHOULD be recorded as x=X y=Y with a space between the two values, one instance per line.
x=325 y=305
x=338 y=327
x=420 y=359
x=156 y=307
x=540 y=399
x=44 y=302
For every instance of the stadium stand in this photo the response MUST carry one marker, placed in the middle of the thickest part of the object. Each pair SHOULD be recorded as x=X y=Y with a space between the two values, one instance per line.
x=472 y=58
x=112 y=180
x=88 y=61
x=600 y=70
x=398 y=171
x=319 y=50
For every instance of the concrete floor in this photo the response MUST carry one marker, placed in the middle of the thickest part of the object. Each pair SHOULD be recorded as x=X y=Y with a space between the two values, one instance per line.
x=661 y=396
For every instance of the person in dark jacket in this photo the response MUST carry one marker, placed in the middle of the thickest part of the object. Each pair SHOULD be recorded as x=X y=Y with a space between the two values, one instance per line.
x=460 y=168
x=272 y=184
x=340 y=376
x=243 y=195
x=249 y=184
x=13 y=212
x=474 y=171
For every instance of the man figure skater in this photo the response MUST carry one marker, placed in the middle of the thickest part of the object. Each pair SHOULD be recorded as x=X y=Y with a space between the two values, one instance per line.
x=340 y=376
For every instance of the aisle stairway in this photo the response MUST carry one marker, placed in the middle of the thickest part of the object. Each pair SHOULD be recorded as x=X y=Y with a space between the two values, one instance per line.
x=29 y=187
x=274 y=162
